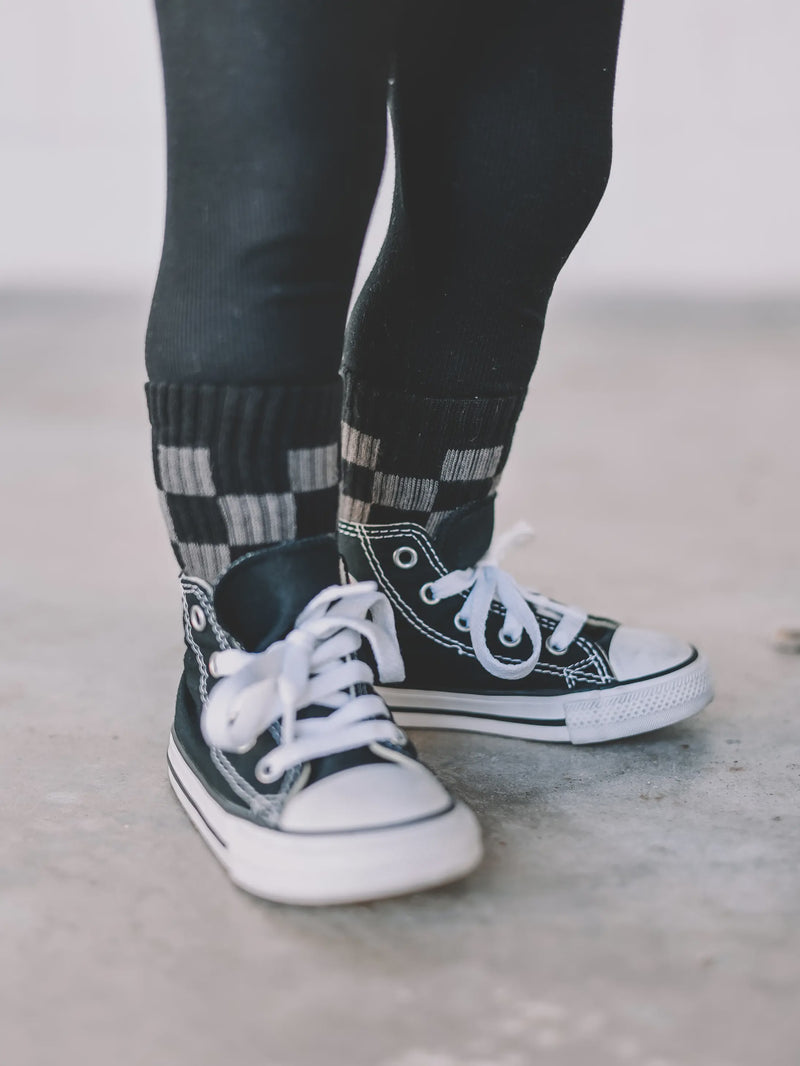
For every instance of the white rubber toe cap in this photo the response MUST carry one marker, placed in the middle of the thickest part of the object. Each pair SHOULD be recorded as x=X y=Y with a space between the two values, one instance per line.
x=640 y=652
x=366 y=797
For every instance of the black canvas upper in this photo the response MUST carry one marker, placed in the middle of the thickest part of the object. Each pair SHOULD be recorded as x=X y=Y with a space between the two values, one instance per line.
x=255 y=603
x=464 y=537
x=259 y=598
x=437 y=655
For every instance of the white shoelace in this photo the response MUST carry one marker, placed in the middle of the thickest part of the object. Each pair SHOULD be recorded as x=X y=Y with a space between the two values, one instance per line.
x=487 y=583
x=314 y=664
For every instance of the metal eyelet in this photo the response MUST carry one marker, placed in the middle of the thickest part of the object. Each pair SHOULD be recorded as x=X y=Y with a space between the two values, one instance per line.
x=508 y=641
x=554 y=650
x=405 y=557
x=427 y=595
x=212 y=664
x=461 y=623
x=263 y=773
x=197 y=619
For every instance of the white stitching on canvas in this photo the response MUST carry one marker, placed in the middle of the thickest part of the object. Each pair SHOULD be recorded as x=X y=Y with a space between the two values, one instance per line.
x=201 y=663
x=392 y=531
x=257 y=802
x=408 y=614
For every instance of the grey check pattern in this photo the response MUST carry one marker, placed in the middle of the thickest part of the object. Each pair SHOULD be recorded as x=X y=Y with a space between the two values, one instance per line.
x=368 y=492
x=242 y=467
x=420 y=458
x=245 y=520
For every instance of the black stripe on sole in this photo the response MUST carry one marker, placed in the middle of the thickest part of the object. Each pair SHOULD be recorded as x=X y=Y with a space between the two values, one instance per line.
x=200 y=814
x=475 y=714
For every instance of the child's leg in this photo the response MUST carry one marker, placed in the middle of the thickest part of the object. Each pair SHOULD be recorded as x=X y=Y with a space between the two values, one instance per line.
x=502 y=127
x=281 y=754
x=276 y=134
x=283 y=757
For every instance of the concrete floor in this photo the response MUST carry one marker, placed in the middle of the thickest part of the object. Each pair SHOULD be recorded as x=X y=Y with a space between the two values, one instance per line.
x=639 y=902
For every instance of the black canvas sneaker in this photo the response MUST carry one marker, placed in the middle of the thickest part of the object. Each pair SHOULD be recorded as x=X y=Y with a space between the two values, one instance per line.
x=483 y=654
x=283 y=756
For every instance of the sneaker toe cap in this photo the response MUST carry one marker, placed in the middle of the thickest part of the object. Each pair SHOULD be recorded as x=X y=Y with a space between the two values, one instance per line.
x=637 y=652
x=366 y=797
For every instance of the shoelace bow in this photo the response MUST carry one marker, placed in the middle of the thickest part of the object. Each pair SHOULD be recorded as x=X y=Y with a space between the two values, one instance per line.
x=314 y=664
x=486 y=583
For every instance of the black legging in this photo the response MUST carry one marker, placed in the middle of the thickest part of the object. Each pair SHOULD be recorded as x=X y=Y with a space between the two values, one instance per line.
x=276 y=130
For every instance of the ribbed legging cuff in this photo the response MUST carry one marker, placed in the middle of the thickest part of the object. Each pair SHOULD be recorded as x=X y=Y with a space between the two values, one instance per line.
x=240 y=467
x=419 y=458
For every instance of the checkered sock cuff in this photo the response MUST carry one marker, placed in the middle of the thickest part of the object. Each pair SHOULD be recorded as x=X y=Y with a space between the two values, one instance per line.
x=419 y=458
x=240 y=467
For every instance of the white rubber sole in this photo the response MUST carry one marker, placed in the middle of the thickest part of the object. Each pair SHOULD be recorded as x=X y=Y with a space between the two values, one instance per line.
x=576 y=718
x=316 y=869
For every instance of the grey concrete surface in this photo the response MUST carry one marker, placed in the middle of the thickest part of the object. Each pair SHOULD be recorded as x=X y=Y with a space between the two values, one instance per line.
x=639 y=901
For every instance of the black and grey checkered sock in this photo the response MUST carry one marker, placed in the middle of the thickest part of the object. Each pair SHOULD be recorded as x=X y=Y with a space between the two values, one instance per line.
x=239 y=467
x=419 y=458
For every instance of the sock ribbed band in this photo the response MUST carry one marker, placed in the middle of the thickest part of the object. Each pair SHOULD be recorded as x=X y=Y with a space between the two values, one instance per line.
x=419 y=458
x=240 y=467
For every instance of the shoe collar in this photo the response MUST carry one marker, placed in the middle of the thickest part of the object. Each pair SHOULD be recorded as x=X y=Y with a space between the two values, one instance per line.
x=464 y=537
x=258 y=598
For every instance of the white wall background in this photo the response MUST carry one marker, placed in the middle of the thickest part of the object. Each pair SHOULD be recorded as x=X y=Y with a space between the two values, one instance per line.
x=703 y=198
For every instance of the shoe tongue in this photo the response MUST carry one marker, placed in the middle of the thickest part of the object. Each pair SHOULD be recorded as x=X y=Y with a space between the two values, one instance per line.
x=259 y=598
x=464 y=536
